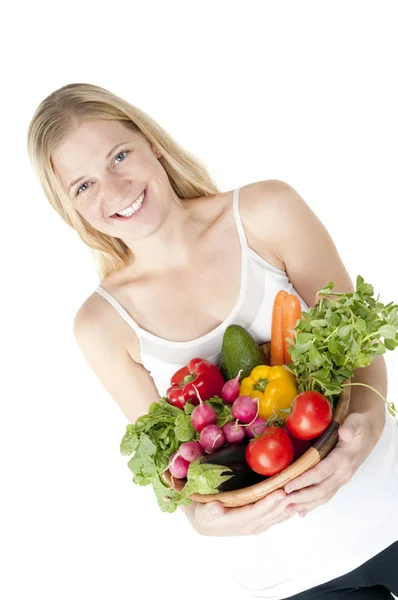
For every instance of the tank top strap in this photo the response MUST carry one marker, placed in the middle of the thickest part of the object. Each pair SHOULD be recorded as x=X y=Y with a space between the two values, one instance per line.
x=122 y=312
x=238 y=221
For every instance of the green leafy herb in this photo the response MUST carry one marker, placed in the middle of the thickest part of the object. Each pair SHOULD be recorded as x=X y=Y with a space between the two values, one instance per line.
x=342 y=332
x=203 y=479
x=154 y=437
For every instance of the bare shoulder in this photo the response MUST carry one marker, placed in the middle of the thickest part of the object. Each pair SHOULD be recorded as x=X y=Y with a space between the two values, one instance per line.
x=97 y=317
x=280 y=222
x=103 y=345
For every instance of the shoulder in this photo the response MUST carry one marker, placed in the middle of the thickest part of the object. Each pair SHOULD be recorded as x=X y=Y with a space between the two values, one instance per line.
x=271 y=198
x=97 y=322
x=280 y=221
x=274 y=211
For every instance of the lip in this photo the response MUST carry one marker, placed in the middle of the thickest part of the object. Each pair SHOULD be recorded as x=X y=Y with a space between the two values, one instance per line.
x=115 y=216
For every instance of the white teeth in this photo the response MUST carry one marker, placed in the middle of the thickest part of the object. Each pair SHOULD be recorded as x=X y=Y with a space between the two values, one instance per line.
x=130 y=210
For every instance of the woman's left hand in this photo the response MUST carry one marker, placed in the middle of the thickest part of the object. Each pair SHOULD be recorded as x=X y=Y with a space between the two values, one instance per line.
x=319 y=484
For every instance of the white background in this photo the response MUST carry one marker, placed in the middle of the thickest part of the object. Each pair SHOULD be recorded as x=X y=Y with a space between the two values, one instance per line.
x=299 y=91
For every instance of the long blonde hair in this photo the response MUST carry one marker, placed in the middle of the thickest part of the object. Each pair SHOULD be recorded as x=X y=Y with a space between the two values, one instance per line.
x=73 y=104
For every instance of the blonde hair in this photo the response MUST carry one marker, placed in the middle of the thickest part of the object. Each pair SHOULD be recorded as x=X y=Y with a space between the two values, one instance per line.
x=70 y=106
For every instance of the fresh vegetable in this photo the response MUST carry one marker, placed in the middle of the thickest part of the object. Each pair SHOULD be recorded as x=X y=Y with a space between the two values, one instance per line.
x=230 y=390
x=310 y=415
x=234 y=433
x=232 y=457
x=155 y=437
x=342 y=332
x=274 y=387
x=271 y=452
x=239 y=352
x=277 y=336
x=203 y=415
x=178 y=466
x=199 y=375
x=190 y=451
x=291 y=313
x=245 y=409
x=211 y=438
x=256 y=427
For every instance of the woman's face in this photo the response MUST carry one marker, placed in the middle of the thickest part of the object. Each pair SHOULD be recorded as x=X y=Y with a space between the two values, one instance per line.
x=105 y=167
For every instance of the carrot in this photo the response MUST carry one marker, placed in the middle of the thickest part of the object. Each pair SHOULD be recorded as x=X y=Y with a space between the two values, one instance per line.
x=291 y=311
x=277 y=345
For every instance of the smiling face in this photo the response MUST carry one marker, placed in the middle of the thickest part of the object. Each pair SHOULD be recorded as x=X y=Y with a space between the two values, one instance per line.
x=105 y=167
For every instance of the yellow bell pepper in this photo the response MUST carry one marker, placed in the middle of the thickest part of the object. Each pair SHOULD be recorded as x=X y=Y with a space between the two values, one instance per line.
x=275 y=387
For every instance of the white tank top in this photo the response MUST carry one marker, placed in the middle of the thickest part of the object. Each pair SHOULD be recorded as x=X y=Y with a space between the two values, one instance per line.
x=357 y=523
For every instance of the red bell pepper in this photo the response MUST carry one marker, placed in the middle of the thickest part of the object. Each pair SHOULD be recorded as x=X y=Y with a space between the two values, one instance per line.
x=202 y=374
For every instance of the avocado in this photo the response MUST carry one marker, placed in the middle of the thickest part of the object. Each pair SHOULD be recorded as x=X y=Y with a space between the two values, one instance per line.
x=239 y=351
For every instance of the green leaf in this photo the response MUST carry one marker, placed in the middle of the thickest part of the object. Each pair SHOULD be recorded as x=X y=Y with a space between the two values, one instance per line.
x=388 y=331
x=165 y=496
x=328 y=288
x=322 y=374
x=204 y=479
x=391 y=344
x=360 y=325
x=366 y=289
x=393 y=319
x=304 y=338
x=183 y=429
x=315 y=357
x=363 y=360
x=344 y=331
x=142 y=464
x=360 y=281
x=319 y=323
x=332 y=345
x=129 y=441
x=355 y=348
x=188 y=408
x=224 y=411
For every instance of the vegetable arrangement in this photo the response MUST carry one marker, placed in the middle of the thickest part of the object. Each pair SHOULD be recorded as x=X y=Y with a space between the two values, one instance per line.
x=227 y=426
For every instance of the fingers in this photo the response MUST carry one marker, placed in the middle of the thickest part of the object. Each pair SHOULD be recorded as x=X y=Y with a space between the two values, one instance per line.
x=215 y=519
x=313 y=493
x=321 y=471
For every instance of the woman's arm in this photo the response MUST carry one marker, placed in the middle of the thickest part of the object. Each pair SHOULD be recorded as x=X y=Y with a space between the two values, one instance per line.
x=296 y=236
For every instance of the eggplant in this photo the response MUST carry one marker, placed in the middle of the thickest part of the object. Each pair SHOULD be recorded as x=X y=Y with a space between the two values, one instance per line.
x=233 y=457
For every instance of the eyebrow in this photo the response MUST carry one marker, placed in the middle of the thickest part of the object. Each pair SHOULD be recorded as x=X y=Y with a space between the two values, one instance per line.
x=107 y=156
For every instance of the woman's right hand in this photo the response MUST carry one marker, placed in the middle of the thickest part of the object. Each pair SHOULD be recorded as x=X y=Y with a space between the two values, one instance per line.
x=214 y=519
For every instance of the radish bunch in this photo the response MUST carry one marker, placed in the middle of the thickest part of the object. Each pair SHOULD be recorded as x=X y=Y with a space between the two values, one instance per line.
x=245 y=424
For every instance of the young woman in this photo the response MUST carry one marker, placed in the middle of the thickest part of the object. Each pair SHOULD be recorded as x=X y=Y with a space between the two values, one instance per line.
x=179 y=261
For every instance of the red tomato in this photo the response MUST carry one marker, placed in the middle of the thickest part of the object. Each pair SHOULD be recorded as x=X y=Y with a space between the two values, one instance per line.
x=311 y=414
x=271 y=452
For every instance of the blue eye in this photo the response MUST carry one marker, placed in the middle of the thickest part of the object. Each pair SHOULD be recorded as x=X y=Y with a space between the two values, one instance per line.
x=85 y=183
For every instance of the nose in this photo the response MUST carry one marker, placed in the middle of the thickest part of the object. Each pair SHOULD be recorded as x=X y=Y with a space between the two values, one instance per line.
x=114 y=189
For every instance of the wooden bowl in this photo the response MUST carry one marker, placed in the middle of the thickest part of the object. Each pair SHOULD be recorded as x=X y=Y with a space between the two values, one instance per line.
x=318 y=450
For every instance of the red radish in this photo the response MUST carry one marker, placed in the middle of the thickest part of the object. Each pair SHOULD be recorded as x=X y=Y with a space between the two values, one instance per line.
x=234 y=433
x=203 y=415
x=211 y=438
x=230 y=390
x=190 y=451
x=178 y=466
x=245 y=409
x=255 y=429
